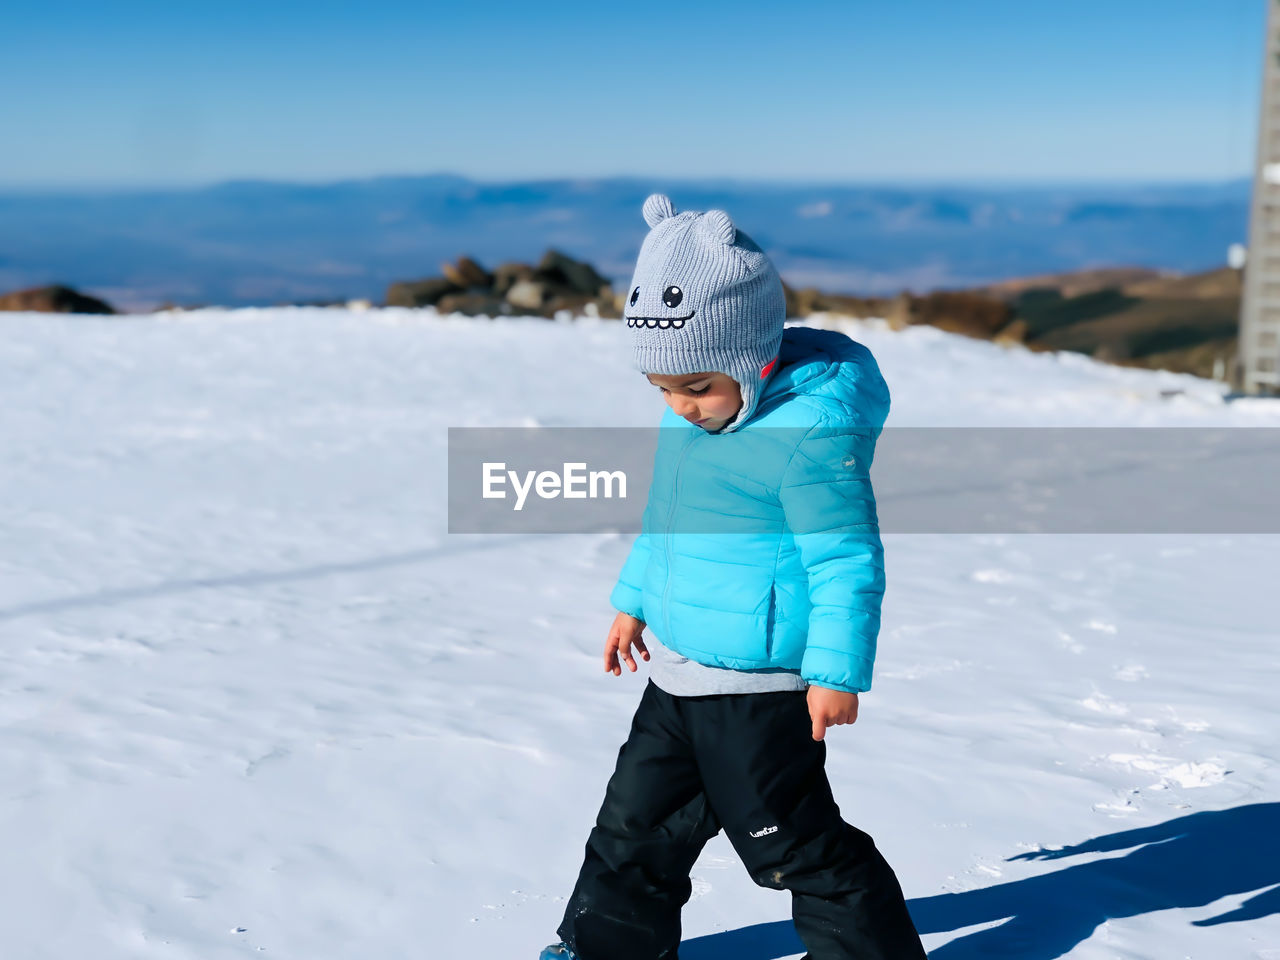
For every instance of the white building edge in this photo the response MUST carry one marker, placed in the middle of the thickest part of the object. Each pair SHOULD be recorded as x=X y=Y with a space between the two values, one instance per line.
x=1259 y=361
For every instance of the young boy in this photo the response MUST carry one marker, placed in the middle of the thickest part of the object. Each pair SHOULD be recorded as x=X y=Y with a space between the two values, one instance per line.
x=759 y=568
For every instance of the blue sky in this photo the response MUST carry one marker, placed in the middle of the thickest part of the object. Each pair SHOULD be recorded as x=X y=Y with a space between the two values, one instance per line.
x=145 y=93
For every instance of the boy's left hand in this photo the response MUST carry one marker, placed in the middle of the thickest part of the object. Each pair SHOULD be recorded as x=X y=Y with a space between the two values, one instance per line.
x=829 y=708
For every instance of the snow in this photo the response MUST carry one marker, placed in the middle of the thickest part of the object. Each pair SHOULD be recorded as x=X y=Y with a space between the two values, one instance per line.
x=255 y=701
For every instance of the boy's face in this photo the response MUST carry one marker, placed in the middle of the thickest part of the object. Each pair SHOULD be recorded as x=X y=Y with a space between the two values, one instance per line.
x=710 y=400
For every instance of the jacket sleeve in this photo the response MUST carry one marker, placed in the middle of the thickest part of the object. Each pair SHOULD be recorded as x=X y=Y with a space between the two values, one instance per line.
x=628 y=592
x=830 y=508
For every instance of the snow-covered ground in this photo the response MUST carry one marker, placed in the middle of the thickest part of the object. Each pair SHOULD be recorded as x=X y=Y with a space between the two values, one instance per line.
x=255 y=701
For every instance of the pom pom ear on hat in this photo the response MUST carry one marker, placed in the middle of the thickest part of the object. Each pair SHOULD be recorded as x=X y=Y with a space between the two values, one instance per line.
x=718 y=227
x=657 y=208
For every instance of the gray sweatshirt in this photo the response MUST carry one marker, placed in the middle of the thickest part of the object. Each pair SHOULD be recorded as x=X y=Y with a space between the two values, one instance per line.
x=682 y=677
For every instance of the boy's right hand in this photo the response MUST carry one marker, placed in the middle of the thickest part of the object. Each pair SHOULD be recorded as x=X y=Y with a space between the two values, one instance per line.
x=623 y=635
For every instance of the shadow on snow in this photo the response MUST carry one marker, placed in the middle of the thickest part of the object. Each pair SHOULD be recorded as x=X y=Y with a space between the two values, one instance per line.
x=1187 y=862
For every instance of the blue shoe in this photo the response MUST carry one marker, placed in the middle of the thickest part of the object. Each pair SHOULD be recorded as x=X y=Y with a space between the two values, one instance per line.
x=559 y=951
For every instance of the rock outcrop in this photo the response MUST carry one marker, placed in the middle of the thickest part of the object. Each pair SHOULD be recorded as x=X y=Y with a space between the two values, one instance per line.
x=420 y=293
x=558 y=282
x=53 y=299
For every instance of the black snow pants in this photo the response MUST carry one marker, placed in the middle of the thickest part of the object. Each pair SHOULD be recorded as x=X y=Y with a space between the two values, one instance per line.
x=746 y=763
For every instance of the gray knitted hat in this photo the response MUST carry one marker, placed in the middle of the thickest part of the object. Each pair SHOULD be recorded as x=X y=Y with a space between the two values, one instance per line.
x=704 y=297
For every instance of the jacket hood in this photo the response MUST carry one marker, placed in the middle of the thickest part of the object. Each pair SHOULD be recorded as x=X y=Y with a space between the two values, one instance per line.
x=832 y=368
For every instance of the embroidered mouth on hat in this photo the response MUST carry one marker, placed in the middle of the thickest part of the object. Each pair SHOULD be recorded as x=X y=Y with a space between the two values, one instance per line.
x=660 y=323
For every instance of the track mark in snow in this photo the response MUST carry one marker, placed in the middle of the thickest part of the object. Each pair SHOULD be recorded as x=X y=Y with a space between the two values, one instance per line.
x=1131 y=673
x=718 y=863
x=1070 y=643
x=992 y=576
x=1102 y=626
x=919 y=629
x=1122 y=807
x=1101 y=703
x=1191 y=726
x=278 y=753
x=1173 y=772
x=1186 y=726
x=925 y=669
x=518 y=899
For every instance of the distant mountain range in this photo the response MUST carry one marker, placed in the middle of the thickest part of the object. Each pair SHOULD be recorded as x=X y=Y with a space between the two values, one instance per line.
x=250 y=242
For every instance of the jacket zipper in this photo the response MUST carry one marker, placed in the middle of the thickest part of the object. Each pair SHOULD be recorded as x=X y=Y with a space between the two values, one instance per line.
x=671 y=513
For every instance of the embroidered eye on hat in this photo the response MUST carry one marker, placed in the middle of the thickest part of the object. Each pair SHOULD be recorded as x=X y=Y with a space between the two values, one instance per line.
x=704 y=298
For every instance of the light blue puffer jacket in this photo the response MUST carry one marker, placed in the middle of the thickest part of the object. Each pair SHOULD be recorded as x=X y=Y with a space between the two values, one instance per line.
x=760 y=548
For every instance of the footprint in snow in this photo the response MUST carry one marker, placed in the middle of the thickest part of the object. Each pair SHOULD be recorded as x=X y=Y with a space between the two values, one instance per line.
x=1173 y=771
x=991 y=576
x=1101 y=703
